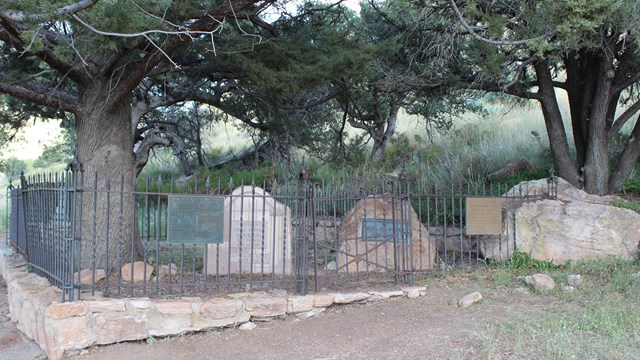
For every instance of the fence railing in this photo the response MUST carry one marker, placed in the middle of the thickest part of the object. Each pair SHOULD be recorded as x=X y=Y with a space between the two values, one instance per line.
x=173 y=237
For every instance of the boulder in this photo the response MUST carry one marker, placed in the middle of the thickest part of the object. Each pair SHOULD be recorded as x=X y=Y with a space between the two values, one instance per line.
x=376 y=249
x=469 y=299
x=139 y=270
x=164 y=272
x=540 y=282
x=577 y=226
x=452 y=239
x=89 y=277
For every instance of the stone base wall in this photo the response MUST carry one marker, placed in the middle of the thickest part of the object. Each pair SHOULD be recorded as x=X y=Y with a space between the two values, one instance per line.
x=71 y=326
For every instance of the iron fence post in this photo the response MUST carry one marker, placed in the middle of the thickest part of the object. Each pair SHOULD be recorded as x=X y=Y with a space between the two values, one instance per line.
x=407 y=238
x=25 y=188
x=70 y=188
x=301 y=244
x=7 y=218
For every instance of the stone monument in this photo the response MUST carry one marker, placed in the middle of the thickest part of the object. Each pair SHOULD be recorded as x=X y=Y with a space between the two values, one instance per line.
x=257 y=235
x=383 y=233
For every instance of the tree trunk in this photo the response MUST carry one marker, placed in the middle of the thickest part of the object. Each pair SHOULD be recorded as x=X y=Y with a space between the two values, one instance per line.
x=105 y=150
x=581 y=83
x=555 y=127
x=596 y=166
x=382 y=133
x=628 y=160
x=379 y=148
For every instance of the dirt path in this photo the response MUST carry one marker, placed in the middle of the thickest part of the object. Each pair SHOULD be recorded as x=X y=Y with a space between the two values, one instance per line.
x=430 y=327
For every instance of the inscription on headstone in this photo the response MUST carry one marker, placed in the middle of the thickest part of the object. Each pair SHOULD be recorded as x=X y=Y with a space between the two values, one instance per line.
x=484 y=216
x=195 y=219
x=248 y=238
x=257 y=235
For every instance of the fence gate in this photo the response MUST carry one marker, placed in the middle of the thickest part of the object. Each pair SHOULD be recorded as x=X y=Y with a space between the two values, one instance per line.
x=354 y=236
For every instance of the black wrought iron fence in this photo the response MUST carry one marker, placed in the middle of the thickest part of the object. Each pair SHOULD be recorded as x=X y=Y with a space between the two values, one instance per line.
x=175 y=237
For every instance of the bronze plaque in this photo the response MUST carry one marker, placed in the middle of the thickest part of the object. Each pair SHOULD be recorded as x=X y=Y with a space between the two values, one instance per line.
x=195 y=219
x=484 y=216
x=382 y=230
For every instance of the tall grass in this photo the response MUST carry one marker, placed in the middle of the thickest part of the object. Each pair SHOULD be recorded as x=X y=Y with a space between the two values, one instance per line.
x=476 y=145
x=599 y=320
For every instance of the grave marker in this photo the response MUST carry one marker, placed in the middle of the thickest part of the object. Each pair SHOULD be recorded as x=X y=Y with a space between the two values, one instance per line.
x=257 y=235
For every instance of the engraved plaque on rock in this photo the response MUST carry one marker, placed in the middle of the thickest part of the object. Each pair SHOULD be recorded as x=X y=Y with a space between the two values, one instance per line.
x=382 y=230
x=484 y=216
x=195 y=219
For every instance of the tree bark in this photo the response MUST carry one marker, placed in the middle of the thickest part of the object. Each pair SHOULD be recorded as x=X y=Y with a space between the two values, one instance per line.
x=382 y=133
x=581 y=81
x=596 y=167
x=104 y=148
x=628 y=160
x=555 y=127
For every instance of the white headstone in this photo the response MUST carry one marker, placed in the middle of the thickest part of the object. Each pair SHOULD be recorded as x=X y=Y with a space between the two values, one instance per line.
x=257 y=235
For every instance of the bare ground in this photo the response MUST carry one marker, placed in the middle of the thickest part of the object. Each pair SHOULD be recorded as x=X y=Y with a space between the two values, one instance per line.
x=430 y=327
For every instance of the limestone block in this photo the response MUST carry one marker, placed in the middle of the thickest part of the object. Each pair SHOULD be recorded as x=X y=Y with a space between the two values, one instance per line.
x=386 y=294
x=111 y=328
x=262 y=307
x=347 y=298
x=173 y=306
x=67 y=309
x=220 y=308
x=140 y=304
x=159 y=324
x=412 y=292
x=106 y=305
x=322 y=300
x=298 y=304
x=69 y=333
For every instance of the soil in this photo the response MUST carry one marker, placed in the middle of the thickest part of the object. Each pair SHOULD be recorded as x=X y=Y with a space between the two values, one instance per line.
x=429 y=327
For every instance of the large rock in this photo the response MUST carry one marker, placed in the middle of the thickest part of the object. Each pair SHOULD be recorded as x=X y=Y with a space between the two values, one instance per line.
x=540 y=282
x=138 y=271
x=577 y=226
x=376 y=251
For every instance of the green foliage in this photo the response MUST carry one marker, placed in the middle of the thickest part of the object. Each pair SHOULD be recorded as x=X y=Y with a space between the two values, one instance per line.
x=60 y=152
x=632 y=205
x=632 y=186
x=221 y=181
x=12 y=167
x=151 y=341
x=524 y=262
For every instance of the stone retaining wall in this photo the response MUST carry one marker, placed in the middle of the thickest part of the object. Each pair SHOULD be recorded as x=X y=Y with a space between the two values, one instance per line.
x=59 y=327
